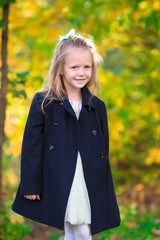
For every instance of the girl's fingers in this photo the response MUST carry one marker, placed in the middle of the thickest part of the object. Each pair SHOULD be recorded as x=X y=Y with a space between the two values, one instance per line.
x=29 y=196
x=32 y=197
x=38 y=197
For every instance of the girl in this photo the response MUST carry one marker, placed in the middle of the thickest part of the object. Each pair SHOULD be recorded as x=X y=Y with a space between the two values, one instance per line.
x=66 y=180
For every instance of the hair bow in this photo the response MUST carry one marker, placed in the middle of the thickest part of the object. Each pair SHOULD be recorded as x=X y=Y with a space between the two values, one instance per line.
x=71 y=33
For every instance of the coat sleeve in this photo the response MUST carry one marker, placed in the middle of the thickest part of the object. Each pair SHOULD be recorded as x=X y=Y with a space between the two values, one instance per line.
x=32 y=150
x=104 y=125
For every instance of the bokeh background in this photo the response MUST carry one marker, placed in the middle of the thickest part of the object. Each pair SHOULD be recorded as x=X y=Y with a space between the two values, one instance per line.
x=127 y=34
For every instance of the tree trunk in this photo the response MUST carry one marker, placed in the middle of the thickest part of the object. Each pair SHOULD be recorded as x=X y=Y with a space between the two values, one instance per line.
x=4 y=83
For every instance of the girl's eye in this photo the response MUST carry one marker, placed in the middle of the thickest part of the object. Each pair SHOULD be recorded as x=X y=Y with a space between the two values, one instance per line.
x=87 y=66
x=74 y=67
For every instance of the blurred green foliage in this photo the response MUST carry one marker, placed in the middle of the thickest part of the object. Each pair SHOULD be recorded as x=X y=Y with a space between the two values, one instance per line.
x=10 y=230
x=135 y=225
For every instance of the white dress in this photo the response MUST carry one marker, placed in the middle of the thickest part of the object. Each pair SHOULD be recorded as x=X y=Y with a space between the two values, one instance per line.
x=78 y=209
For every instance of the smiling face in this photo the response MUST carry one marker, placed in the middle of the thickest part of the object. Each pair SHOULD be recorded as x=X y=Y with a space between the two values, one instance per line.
x=77 y=69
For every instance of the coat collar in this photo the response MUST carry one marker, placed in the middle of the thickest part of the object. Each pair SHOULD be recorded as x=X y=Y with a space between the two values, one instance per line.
x=86 y=102
x=86 y=94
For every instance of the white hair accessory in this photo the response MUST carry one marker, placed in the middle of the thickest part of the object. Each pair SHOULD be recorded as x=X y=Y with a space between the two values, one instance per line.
x=71 y=33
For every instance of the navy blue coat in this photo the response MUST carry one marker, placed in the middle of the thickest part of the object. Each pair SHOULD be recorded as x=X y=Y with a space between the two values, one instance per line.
x=48 y=161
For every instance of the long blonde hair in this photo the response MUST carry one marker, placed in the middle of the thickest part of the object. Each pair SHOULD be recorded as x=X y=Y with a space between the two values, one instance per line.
x=55 y=88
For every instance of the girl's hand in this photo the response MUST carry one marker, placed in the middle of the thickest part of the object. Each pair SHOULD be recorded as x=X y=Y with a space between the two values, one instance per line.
x=32 y=197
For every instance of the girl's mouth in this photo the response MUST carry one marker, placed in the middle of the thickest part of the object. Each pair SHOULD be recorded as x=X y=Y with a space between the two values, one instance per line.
x=79 y=79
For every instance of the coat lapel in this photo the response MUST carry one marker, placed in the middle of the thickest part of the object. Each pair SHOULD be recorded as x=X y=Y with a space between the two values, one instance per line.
x=85 y=102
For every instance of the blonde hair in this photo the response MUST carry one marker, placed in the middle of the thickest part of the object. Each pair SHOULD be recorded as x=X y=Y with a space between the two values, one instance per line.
x=55 y=88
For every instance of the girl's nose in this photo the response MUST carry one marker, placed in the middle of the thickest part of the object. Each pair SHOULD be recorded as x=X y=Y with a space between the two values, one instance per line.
x=81 y=72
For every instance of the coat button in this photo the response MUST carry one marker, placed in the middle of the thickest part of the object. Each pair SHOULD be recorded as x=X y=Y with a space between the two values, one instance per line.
x=101 y=155
x=60 y=103
x=52 y=148
x=94 y=132
x=56 y=124
x=89 y=109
